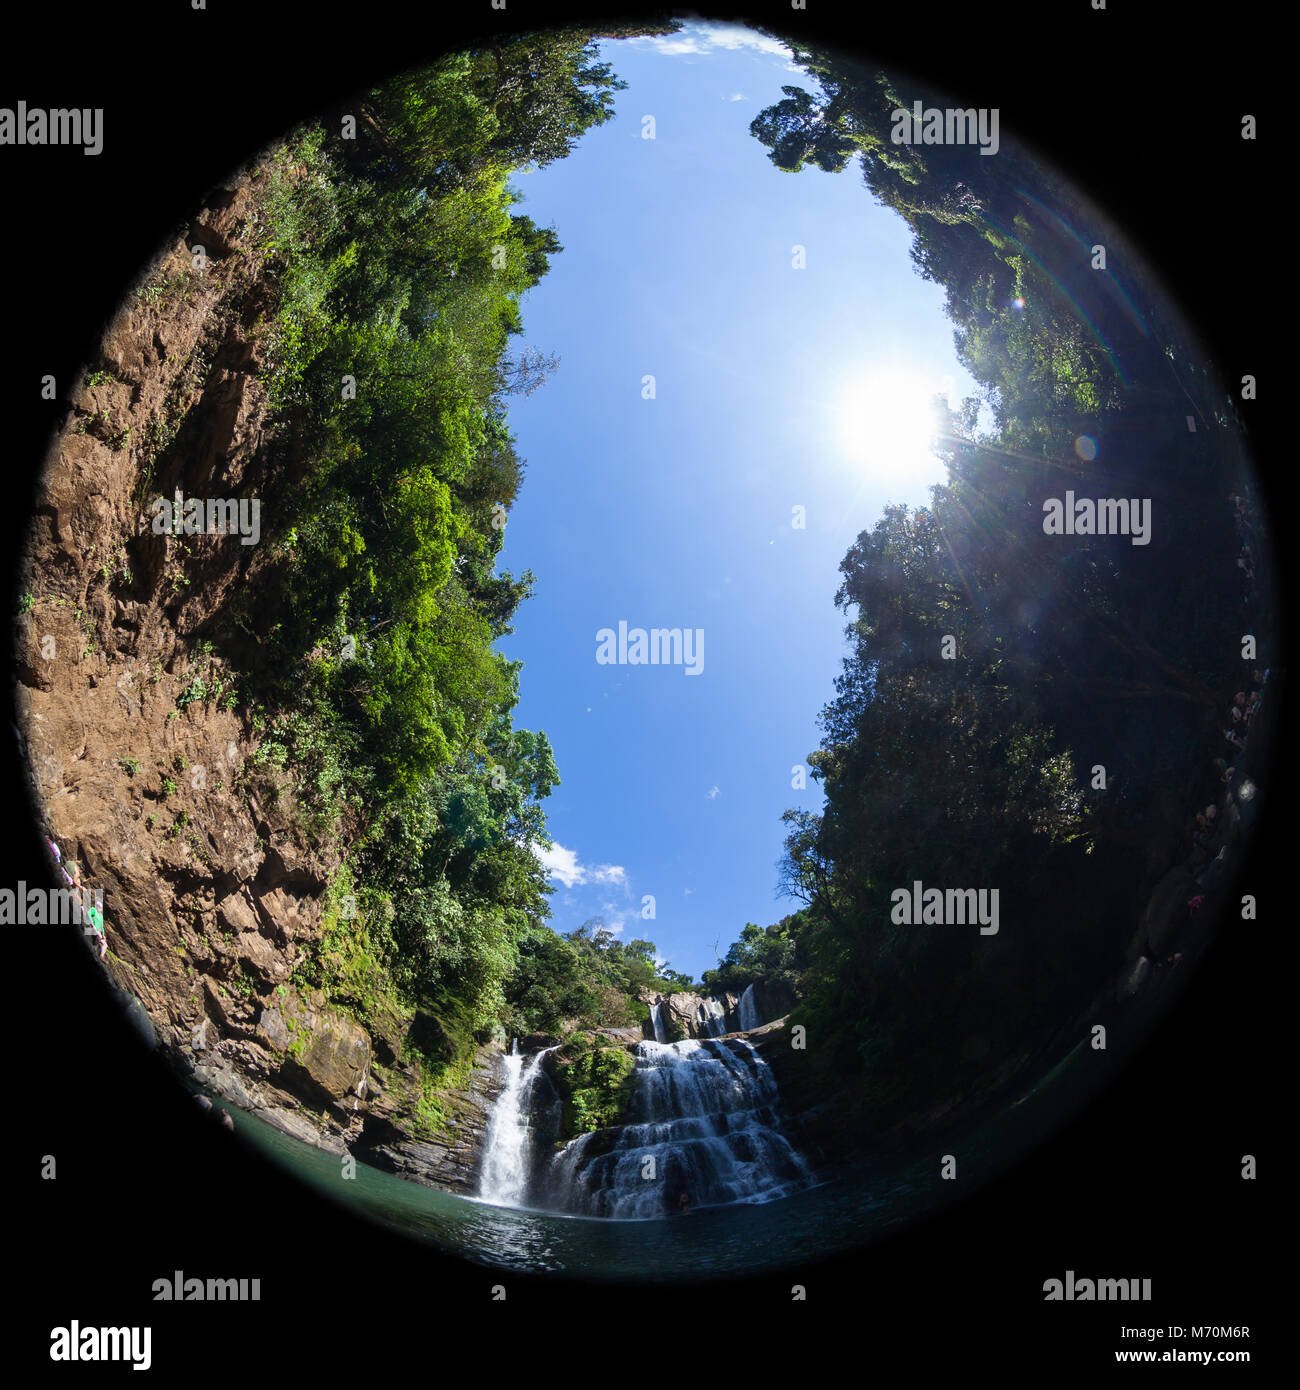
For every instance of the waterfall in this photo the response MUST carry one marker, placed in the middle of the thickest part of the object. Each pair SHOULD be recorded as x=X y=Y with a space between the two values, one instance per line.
x=710 y=1018
x=657 y=1019
x=506 y=1149
x=703 y=1122
x=747 y=1011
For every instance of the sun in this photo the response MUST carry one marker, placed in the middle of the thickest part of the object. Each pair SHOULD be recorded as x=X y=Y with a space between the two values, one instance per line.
x=887 y=421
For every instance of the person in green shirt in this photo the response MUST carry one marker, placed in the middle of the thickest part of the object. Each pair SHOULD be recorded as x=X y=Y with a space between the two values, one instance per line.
x=92 y=913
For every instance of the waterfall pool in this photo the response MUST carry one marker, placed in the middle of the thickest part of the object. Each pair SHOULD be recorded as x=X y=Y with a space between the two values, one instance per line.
x=712 y=1242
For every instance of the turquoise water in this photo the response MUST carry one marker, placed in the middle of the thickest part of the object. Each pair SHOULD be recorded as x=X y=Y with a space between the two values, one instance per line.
x=709 y=1243
x=714 y=1242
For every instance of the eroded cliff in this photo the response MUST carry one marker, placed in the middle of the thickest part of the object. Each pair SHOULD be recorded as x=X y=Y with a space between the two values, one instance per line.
x=132 y=651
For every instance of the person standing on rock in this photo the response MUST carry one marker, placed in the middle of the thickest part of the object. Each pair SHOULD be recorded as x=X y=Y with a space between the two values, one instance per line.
x=92 y=913
x=96 y=920
x=58 y=858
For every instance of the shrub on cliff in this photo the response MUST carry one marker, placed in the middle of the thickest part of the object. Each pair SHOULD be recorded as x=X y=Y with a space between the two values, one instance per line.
x=595 y=1084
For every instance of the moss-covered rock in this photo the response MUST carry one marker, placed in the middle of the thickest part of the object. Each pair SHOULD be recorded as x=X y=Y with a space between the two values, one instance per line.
x=325 y=1053
x=594 y=1083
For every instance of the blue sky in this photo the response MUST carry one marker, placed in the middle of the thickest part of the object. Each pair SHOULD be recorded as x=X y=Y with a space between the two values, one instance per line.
x=776 y=388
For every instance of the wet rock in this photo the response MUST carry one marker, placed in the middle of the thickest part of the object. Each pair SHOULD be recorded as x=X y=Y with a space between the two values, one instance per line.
x=450 y=1161
x=621 y=1035
x=225 y=1080
x=301 y=1127
x=684 y=1010
x=138 y=1018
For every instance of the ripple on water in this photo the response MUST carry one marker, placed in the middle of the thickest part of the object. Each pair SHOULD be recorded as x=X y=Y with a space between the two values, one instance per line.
x=710 y=1242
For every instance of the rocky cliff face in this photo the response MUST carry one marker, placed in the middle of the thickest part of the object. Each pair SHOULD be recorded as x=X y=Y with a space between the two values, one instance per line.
x=685 y=1015
x=453 y=1159
x=142 y=764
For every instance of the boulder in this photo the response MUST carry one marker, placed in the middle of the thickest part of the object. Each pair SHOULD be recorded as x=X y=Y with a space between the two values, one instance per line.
x=318 y=1053
x=431 y=1165
x=335 y=1057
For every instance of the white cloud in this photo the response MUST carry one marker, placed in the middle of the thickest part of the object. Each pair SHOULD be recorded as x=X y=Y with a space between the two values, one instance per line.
x=737 y=96
x=699 y=39
x=713 y=793
x=614 y=917
x=562 y=864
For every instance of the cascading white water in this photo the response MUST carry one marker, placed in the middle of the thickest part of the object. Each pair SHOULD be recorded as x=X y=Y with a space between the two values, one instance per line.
x=657 y=1019
x=703 y=1123
x=747 y=1011
x=715 y=1018
x=506 y=1150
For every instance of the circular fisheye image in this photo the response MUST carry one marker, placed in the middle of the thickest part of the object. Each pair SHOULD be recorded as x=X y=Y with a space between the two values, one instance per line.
x=641 y=644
